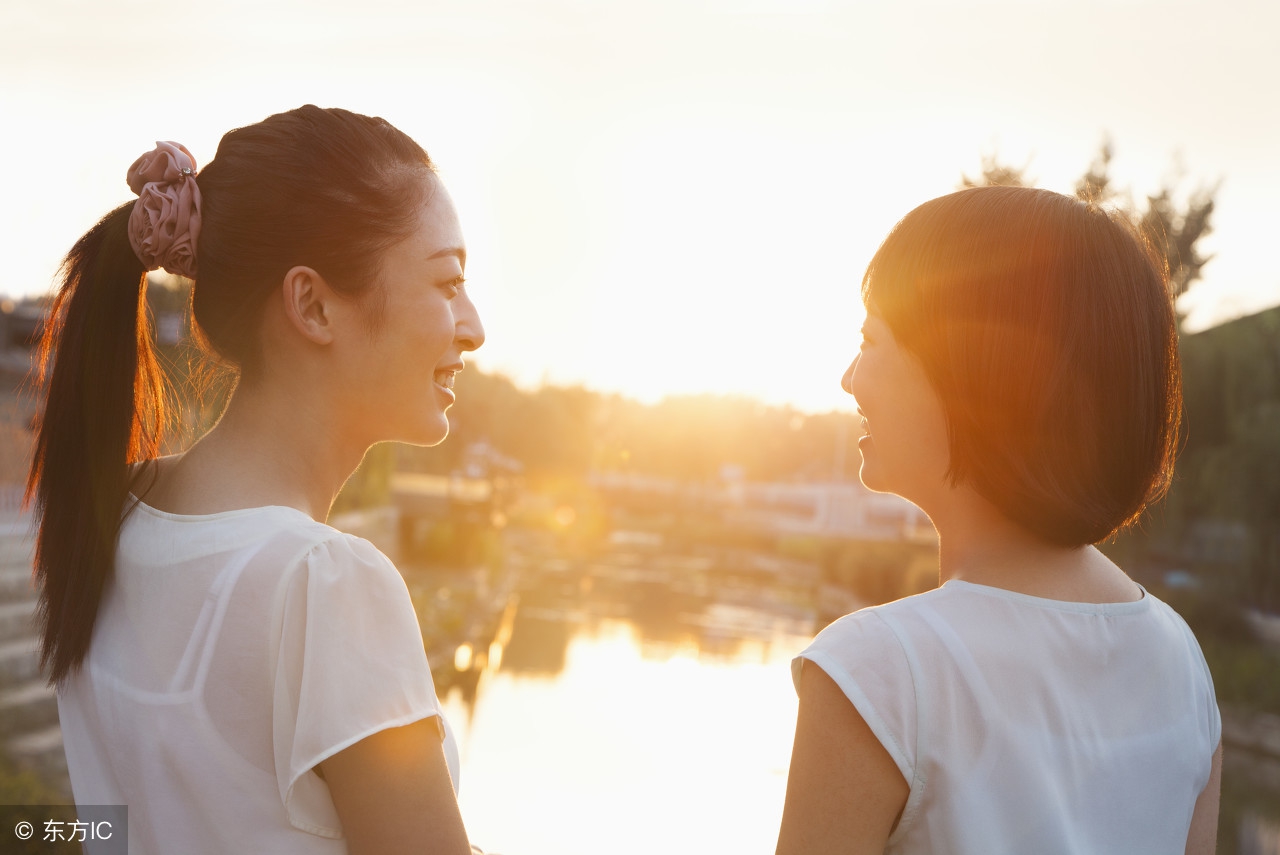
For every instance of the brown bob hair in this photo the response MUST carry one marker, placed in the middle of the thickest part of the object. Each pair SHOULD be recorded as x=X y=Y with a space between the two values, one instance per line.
x=1046 y=327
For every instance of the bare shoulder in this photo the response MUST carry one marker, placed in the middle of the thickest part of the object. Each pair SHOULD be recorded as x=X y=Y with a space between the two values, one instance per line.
x=844 y=791
x=393 y=794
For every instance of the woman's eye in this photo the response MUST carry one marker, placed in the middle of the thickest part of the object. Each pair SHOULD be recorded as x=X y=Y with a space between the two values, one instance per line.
x=453 y=286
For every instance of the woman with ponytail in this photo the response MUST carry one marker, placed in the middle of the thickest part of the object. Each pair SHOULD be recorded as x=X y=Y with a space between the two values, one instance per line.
x=240 y=675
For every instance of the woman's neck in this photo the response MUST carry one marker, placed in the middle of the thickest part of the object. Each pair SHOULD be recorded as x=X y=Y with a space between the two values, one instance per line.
x=275 y=445
x=978 y=544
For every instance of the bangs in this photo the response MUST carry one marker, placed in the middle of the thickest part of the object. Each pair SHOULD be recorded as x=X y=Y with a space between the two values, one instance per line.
x=943 y=261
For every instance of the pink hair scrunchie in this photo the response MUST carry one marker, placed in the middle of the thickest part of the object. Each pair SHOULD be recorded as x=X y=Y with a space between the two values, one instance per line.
x=165 y=221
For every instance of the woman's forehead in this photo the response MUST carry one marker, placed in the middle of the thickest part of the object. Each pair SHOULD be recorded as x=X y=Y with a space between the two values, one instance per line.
x=874 y=320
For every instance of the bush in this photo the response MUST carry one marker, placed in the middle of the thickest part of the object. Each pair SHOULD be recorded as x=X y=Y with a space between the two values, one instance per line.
x=23 y=787
x=1244 y=675
x=1210 y=615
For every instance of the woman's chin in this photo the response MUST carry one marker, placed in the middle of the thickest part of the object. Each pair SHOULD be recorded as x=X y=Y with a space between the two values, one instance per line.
x=436 y=434
x=430 y=431
x=871 y=477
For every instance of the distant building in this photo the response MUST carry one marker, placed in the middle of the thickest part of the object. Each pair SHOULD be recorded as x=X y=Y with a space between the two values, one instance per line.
x=845 y=509
x=841 y=509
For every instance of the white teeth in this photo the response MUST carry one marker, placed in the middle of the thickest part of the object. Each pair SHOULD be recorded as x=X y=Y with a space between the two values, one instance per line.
x=445 y=379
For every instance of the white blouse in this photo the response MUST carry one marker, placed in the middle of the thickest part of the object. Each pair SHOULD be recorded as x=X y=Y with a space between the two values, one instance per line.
x=232 y=653
x=1026 y=725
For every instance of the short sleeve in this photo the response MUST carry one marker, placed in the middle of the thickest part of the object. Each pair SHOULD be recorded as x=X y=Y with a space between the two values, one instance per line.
x=350 y=663
x=863 y=656
x=1211 y=716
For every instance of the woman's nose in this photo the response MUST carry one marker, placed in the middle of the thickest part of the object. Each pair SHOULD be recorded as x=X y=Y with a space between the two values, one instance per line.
x=469 y=331
x=846 y=382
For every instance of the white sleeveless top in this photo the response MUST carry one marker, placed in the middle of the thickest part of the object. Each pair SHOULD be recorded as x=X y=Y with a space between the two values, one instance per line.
x=1026 y=725
x=231 y=654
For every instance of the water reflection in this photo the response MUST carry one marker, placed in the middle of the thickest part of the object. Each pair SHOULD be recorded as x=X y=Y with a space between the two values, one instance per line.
x=633 y=711
x=716 y=601
x=539 y=644
x=635 y=702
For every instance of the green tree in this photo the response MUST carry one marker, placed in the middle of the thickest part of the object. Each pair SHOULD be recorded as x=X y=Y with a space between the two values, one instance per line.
x=1175 y=228
x=1178 y=229
x=1095 y=185
x=1229 y=471
x=568 y=432
x=997 y=173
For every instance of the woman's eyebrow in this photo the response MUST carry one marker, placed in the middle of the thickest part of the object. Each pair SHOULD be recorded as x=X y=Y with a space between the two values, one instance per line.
x=458 y=251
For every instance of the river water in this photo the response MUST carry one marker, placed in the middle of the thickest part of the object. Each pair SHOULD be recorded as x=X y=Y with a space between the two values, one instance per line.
x=643 y=704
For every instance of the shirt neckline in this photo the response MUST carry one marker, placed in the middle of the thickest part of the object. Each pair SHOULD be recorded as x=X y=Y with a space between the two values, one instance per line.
x=214 y=517
x=1137 y=606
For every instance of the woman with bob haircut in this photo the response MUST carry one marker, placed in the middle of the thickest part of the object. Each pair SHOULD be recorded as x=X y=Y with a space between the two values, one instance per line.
x=240 y=675
x=1019 y=381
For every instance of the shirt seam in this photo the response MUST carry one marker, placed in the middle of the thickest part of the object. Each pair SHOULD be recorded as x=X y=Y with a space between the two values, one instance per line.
x=399 y=721
x=216 y=517
x=1133 y=607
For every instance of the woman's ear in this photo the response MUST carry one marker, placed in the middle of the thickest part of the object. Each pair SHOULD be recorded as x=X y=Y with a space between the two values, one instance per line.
x=309 y=304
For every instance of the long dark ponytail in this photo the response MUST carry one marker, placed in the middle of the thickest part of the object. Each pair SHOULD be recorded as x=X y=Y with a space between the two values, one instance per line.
x=324 y=187
x=104 y=409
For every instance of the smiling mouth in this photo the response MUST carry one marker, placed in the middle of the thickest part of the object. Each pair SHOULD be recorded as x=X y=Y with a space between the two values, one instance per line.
x=447 y=376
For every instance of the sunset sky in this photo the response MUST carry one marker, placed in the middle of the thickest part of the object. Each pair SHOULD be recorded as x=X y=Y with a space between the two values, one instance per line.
x=667 y=196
